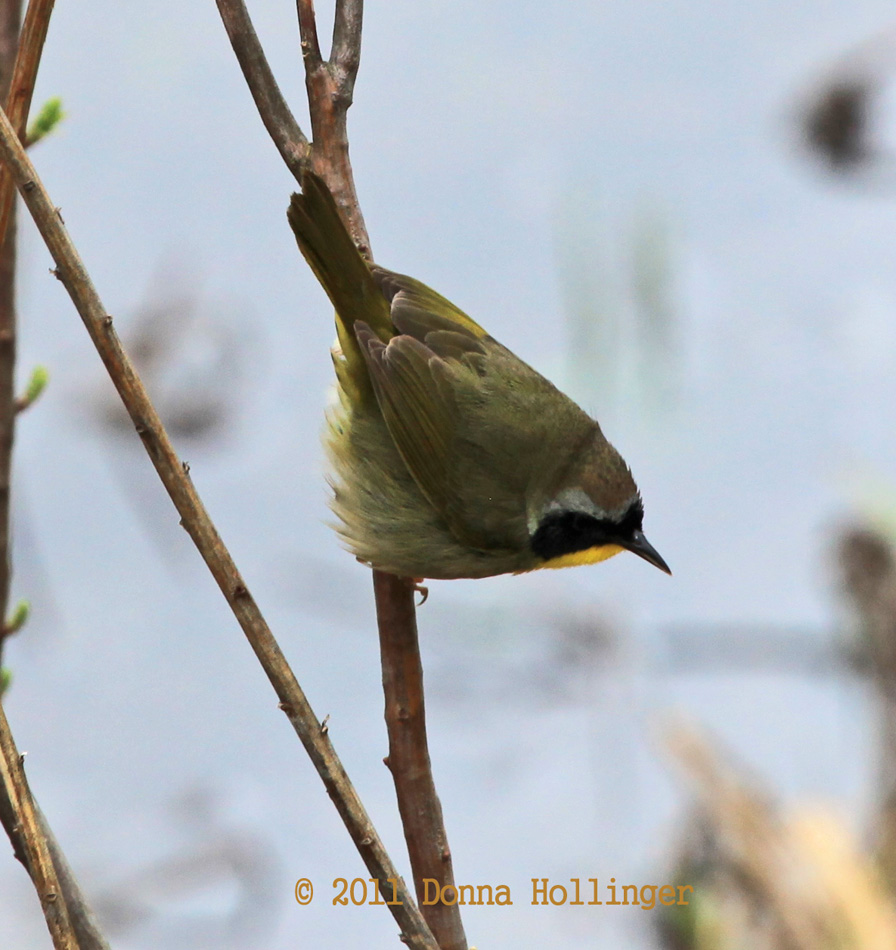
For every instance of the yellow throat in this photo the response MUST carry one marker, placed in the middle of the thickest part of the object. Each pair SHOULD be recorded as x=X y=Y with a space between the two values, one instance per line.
x=600 y=552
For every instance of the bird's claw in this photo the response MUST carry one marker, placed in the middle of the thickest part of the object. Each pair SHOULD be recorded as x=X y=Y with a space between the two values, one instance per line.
x=419 y=588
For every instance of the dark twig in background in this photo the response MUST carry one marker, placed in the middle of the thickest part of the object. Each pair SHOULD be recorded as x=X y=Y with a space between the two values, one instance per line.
x=868 y=578
x=19 y=61
x=841 y=118
x=330 y=86
x=10 y=22
x=80 y=914
x=194 y=518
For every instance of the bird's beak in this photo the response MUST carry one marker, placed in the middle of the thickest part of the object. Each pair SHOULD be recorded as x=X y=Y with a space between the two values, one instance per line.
x=643 y=548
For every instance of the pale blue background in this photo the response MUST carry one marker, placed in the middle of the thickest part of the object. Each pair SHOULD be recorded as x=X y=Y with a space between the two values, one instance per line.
x=497 y=148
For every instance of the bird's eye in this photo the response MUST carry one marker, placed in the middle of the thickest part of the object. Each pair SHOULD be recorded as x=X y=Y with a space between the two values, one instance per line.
x=633 y=519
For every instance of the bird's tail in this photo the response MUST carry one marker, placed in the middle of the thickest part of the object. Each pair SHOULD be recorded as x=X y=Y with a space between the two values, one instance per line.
x=343 y=273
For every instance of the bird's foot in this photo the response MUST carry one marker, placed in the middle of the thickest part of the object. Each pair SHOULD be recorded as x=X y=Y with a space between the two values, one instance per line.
x=417 y=587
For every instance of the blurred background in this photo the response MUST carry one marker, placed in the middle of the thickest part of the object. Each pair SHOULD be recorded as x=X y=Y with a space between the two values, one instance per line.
x=684 y=213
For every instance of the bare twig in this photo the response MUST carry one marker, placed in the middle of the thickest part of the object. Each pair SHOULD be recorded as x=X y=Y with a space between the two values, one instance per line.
x=194 y=518
x=18 y=102
x=10 y=16
x=26 y=50
x=83 y=922
x=346 y=51
x=37 y=855
x=282 y=127
x=81 y=915
x=330 y=85
x=308 y=31
x=418 y=803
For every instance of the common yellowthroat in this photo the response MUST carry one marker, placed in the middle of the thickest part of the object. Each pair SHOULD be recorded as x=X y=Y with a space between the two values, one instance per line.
x=451 y=457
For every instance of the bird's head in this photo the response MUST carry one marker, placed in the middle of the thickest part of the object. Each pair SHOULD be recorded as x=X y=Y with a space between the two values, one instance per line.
x=592 y=513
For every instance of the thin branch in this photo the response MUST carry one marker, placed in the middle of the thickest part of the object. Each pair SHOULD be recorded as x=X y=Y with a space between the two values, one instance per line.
x=308 y=33
x=83 y=922
x=418 y=803
x=330 y=86
x=282 y=127
x=10 y=14
x=194 y=518
x=81 y=915
x=37 y=855
x=21 y=89
x=346 y=52
x=329 y=95
x=20 y=83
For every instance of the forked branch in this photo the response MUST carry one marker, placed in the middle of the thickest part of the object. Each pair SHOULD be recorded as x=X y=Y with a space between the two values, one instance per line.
x=283 y=129
x=37 y=855
x=330 y=86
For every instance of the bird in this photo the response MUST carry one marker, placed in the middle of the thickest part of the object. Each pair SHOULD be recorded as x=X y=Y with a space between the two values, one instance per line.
x=451 y=457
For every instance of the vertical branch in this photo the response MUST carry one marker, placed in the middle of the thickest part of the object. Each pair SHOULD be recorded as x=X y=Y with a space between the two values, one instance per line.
x=418 y=803
x=346 y=51
x=19 y=60
x=308 y=33
x=21 y=89
x=867 y=565
x=10 y=22
x=330 y=87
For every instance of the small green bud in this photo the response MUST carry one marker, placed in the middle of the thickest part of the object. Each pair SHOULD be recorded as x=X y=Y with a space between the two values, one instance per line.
x=19 y=617
x=47 y=119
x=37 y=383
x=5 y=680
x=40 y=376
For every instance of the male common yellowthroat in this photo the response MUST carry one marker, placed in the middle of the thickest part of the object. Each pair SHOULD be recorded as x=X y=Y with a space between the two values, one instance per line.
x=452 y=457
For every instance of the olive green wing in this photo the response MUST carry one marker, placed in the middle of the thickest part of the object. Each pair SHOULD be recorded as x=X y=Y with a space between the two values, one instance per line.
x=415 y=388
x=477 y=428
x=410 y=297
